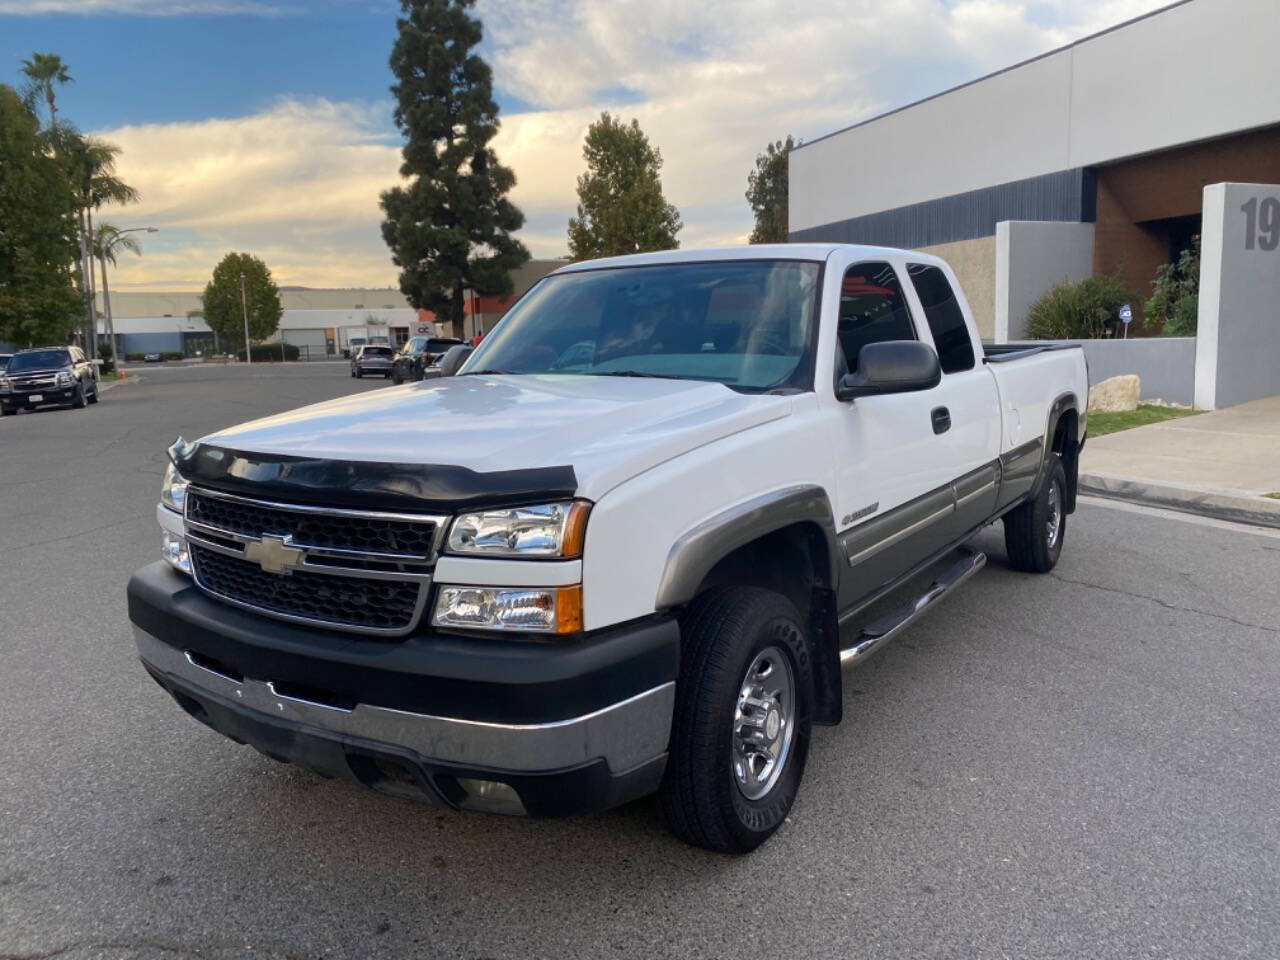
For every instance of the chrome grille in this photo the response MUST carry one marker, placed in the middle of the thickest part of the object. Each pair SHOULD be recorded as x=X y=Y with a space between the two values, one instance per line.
x=353 y=570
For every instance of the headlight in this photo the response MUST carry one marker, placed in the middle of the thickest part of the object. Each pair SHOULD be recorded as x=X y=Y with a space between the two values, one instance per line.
x=65 y=378
x=5 y=385
x=549 y=530
x=528 y=609
x=174 y=549
x=173 y=493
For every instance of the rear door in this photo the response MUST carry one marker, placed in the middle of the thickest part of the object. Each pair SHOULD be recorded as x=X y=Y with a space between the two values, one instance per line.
x=893 y=472
x=966 y=411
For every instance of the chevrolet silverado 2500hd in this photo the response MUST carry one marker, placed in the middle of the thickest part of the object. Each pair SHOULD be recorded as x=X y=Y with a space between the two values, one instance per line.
x=628 y=548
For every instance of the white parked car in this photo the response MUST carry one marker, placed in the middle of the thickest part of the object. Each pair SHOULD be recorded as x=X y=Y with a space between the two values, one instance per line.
x=629 y=548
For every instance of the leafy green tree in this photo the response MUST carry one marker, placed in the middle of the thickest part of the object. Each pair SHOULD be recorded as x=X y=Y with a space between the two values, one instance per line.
x=621 y=208
x=43 y=70
x=767 y=192
x=1175 y=295
x=223 y=308
x=450 y=227
x=38 y=300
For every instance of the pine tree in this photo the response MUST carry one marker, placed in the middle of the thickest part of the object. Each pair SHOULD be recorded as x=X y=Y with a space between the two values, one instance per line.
x=450 y=227
x=621 y=208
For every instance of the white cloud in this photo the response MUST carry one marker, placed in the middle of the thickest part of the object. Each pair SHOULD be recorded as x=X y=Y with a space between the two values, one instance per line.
x=710 y=82
x=297 y=184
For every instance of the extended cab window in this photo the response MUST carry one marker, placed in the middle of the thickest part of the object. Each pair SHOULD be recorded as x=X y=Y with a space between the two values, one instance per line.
x=946 y=319
x=749 y=324
x=872 y=309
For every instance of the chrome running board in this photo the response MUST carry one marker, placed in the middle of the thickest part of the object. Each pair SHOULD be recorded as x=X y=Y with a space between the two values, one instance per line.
x=876 y=634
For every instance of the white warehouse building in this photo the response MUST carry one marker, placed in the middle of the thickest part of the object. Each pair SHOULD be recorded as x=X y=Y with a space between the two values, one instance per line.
x=319 y=322
x=1089 y=159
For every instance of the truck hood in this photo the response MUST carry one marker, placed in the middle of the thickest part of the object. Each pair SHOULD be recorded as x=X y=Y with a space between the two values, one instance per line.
x=607 y=429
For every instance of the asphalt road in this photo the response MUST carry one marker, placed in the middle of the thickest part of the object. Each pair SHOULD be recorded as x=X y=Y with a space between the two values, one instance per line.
x=1083 y=764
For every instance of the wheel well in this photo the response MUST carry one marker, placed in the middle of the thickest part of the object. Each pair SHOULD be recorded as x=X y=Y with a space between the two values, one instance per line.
x=1066 y=444
x=794 y=561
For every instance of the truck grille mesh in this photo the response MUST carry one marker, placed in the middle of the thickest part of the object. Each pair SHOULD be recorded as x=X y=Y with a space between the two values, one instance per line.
x=341 y=600
x=409 y=538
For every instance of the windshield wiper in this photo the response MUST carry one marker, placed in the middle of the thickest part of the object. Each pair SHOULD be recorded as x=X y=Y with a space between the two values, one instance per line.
x=492 y=373
x=630 y=373
x=655 y=376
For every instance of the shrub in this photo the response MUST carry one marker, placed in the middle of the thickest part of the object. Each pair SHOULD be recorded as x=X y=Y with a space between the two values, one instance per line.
x=268 y=352
x=1175 y=295
x=1083 y=310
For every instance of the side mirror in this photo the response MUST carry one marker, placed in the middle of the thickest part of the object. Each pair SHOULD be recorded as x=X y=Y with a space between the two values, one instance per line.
x=891 y=366
x=453 y=359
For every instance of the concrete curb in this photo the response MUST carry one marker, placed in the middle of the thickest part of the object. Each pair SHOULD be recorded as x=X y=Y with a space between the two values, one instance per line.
x=1220 y=505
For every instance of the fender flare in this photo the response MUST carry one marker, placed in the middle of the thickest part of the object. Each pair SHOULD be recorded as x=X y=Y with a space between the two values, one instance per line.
x=700 y=548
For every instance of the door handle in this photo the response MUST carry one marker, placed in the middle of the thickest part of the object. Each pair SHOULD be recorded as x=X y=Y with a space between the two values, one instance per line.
x=941 y=418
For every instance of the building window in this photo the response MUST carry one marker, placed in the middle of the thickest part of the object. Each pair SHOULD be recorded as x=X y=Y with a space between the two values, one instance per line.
x=872 y=310
x=946 y=319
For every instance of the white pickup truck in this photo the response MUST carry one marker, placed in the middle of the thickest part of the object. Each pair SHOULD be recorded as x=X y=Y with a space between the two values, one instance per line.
x=627 y=548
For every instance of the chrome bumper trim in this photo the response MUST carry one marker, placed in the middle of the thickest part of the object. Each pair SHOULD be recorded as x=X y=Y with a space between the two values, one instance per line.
x=624 y=734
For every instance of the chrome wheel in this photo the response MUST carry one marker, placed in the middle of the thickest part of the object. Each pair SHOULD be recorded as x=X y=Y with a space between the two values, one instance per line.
x=1053 y=523
x=763 y=723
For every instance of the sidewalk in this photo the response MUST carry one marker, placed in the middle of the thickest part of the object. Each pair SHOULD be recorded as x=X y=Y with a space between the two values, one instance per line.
x=1219 y=464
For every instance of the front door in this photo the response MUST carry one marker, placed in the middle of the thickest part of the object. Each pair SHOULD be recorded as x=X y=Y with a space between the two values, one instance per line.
x=893 y=471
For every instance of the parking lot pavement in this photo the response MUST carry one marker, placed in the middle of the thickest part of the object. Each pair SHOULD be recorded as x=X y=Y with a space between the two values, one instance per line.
x=1076 y=765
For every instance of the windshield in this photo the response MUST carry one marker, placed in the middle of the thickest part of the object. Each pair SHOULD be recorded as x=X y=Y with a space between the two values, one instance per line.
x=441 y=346
x=748 y=324
x=39 y=360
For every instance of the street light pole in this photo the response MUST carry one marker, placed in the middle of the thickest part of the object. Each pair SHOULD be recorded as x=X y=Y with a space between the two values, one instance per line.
x=244 y=304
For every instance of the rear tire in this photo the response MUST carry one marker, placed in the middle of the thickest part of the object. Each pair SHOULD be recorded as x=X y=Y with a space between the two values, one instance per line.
x=359 y=374
x=1035 y=531
x=743 y=650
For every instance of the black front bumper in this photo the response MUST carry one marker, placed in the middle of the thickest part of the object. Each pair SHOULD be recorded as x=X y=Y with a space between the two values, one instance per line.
x=218 y=662
x=48 y=398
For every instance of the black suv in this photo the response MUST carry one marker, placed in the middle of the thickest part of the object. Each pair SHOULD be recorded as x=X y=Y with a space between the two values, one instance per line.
x=419 y=356
x=47 y=376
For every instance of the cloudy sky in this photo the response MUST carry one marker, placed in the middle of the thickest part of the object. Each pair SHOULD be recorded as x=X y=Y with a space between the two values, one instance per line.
x=265 y=125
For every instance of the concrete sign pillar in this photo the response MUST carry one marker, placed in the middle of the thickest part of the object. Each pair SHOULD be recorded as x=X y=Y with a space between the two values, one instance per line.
x=1238 y=332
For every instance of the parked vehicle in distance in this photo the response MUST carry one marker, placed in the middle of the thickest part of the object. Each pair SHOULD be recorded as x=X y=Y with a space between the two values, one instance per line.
x=372 y=360
x=627 y=549
x=353 y=346
x=47 y=376
x=420 y=357
x=151 y=358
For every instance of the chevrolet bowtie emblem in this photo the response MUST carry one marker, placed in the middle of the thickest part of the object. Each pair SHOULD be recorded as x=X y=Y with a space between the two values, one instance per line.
x=274 y=555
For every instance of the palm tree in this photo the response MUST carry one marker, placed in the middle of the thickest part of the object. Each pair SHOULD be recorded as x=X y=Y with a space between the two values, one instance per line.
x=91 y=168
x=107 y=240
x=44 y=70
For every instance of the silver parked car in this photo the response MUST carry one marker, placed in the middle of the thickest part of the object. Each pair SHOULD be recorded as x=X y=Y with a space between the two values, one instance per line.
x=372 y=359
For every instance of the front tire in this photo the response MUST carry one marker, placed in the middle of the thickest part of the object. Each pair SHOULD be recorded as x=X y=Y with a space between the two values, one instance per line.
x=93 y=397
x=77 y=400
x=7 y=411
x=1035 y=531
x=740 y=734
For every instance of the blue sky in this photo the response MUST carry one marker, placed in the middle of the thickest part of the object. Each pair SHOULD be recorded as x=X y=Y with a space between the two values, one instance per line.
x=265 y=124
